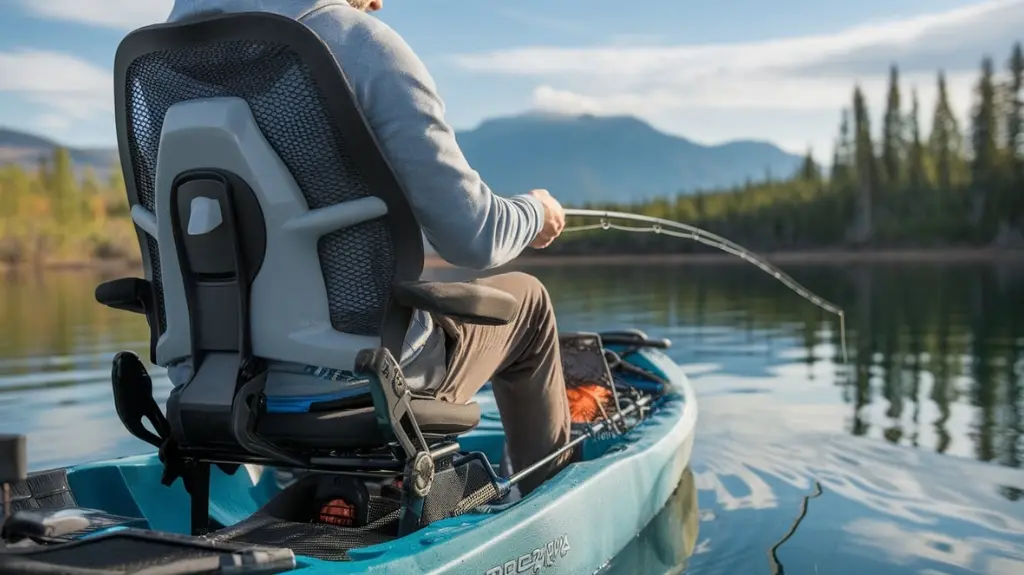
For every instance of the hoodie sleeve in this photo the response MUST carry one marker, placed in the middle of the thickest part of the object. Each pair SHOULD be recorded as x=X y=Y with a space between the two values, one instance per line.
x=468 y=224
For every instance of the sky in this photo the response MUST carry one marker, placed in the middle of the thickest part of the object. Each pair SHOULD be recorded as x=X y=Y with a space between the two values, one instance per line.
x=779 y=71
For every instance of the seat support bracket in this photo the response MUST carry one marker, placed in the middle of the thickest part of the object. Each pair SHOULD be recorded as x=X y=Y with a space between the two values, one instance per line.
x=392 y=402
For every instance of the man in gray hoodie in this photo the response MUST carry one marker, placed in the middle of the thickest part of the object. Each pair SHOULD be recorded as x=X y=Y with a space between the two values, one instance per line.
x=463 y=219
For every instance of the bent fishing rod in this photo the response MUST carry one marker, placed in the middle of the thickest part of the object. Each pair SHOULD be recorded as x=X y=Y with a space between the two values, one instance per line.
x=687 y=231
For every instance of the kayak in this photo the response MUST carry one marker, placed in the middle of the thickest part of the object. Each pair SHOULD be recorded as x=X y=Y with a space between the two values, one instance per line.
x=116 y=516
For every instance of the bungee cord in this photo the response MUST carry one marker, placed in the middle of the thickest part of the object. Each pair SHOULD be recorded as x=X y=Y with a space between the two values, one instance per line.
x=686 y=231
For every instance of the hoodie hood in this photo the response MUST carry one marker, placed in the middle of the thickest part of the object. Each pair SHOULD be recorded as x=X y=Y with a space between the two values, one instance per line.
x=296 y=9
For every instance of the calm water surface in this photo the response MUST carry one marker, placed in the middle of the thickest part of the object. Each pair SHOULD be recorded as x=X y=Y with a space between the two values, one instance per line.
x=905 y=460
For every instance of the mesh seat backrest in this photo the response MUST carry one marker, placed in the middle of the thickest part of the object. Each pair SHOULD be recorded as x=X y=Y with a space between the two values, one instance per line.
x=305 y=111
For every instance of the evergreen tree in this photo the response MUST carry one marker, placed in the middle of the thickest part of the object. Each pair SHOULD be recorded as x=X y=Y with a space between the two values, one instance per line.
x=865 y=166
x=842 y=159
x=917 y=176
x=1014 y=129
x=809 y=171
x=1015 y=120
x=892 y=133
x=984 y=162
x=944 y=143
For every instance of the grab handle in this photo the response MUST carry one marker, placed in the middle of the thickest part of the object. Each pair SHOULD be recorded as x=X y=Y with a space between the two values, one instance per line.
x=634 y=337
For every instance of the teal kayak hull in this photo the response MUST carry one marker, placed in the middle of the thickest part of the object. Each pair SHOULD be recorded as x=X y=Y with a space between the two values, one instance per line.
x=576 y=522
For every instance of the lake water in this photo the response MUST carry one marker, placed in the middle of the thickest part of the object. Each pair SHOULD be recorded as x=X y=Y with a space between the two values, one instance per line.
x=905 y=460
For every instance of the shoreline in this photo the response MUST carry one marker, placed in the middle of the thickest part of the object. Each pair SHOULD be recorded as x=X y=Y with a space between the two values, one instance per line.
x=823 y=257
x=103 y=266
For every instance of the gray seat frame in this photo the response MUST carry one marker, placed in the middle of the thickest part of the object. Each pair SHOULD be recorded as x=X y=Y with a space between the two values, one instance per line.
x=215 y=418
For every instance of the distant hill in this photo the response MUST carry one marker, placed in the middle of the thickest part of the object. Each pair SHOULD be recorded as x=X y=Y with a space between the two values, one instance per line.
x=578 y=158
x=27 y=149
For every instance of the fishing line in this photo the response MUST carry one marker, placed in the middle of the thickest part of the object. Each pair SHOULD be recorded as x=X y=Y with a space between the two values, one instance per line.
x=686 y=231
x=773 y=552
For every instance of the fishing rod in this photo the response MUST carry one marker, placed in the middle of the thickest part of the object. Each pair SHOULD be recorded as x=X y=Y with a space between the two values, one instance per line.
x=687 y=231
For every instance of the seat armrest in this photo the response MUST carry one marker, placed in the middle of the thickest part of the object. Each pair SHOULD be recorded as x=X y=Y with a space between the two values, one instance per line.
x=128 y=294
x=468 y=301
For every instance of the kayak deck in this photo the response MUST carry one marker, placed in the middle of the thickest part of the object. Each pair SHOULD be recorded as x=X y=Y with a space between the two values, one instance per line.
x=637 y=470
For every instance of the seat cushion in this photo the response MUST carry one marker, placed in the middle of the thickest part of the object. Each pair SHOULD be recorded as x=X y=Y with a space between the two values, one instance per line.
x=355 y=428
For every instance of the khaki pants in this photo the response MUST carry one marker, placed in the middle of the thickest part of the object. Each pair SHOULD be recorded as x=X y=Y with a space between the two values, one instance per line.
x=522 y=361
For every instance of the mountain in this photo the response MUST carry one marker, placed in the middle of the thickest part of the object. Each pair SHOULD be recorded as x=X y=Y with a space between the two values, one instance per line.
x=610 y=159
x=578 y=158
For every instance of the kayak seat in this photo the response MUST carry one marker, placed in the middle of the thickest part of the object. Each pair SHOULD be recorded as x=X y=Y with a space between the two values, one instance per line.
x=273 y=234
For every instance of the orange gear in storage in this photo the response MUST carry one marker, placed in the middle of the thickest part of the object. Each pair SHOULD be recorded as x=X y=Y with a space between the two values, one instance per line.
x=338 y=512
x=586 y=401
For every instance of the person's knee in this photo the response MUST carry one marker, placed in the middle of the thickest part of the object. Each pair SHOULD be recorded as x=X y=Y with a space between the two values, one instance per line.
x=534 y=295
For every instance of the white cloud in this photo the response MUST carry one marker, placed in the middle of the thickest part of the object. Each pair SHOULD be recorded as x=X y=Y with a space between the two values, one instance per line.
x=70 y=91
x=117 y=14
x=687 y=88
x=67 y=87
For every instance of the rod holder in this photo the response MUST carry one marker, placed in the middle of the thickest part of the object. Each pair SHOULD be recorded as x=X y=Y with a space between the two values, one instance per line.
x=13 y=466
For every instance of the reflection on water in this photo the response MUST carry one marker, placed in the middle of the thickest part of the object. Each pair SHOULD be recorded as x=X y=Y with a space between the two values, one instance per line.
x=880 y=509
x=668 y=541
x=905 y=461
x=935 y=351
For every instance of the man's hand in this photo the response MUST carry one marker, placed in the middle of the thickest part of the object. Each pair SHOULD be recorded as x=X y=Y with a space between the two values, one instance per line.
x=554 y=219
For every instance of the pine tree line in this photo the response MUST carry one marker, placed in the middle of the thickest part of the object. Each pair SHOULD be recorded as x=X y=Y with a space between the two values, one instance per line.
x=901 y=189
